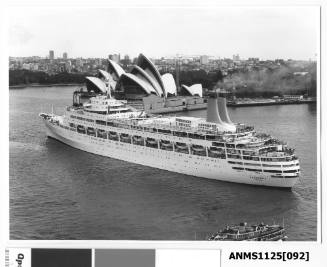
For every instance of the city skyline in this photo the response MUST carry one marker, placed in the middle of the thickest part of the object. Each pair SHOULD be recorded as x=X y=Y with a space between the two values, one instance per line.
x=266 y=33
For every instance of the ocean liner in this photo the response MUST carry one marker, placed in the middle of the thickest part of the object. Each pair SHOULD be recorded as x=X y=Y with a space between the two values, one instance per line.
x=243 y=232
x=214 y=147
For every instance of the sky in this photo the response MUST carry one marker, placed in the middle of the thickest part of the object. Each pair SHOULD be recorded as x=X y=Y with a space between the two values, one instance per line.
x=267 y=32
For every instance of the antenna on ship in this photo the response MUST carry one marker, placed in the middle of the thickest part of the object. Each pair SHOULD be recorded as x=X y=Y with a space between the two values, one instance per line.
x=52 y=109
x=109 y=92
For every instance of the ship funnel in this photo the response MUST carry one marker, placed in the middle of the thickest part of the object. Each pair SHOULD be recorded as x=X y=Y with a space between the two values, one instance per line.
x=212 y=110
x=222 y=109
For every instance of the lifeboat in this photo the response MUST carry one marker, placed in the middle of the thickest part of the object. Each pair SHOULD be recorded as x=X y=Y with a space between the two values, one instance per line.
x=113 y=136
x=125 y=138
x=216 y=150
x=151 y=141
x=198 y=148
x=80 y=129
x=137 y=138
x=102 y=133
x=166 y=145
x=181 y=146
x=90 y=131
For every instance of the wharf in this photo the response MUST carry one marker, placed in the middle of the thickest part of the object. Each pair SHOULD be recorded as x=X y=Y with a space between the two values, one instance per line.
x=269 y=102
x=200 y=105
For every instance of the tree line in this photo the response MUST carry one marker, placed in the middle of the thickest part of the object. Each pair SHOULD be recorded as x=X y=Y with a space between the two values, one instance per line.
x=19 y=77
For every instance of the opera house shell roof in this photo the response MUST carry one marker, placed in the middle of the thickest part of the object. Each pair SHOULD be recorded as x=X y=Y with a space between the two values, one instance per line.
x=169 y=83
x=135 y=85
x=147 y=65
x=195 y=89
x=104 y=75
x=115 y=69
x=95 y=84
x=143 y=79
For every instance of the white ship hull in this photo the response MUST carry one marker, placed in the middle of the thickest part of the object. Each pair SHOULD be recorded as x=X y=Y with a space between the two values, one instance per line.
x=206 y=167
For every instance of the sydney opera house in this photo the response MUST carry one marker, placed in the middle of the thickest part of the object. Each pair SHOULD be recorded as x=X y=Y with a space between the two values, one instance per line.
x=142 y=80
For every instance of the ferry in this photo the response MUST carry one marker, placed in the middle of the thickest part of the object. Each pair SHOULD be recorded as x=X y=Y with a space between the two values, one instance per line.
x=243 y=232
x=213 y=147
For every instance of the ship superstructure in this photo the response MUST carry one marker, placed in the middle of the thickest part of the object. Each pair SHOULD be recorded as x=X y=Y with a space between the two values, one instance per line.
x=214 y=147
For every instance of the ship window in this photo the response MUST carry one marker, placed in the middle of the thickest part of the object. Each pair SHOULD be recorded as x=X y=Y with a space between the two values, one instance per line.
x=100 y=122
x=291 y=171
x=290 y=165
x=234 y=156
x=268 y=165
x=181 y=134
x=164 y=131
x=253 y=164
x=273 y=171
x=240 y=146
x=235 y=162
x=211 y=137
x=237 y=168
x=218 y=144
x=253 y=170
x=230 y=145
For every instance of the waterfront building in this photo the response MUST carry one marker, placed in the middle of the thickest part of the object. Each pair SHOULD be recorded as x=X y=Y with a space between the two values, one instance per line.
x=51 y=55
x=236 y=57
x=204 y=60
x=142 y=80
x=115 y=57
x=65 y=55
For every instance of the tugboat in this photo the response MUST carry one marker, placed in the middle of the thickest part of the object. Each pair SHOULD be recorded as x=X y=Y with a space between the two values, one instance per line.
x=243 y=232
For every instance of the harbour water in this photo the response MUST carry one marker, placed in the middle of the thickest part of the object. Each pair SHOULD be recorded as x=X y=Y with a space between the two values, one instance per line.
x=58 y=192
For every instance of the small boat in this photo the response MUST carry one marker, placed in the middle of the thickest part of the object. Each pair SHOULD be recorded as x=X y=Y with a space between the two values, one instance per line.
x=243 y=232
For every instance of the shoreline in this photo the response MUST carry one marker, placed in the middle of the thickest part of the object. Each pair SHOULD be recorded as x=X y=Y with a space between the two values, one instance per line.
x=268 y=103
x=21 y=86
x=233 y=105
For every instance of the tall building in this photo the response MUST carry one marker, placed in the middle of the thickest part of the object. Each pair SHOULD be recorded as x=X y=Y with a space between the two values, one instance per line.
x=115 y=57
x=204 y=60
x=236 y=57
x=126 y=61
x=65 y=55
x=51 y=54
